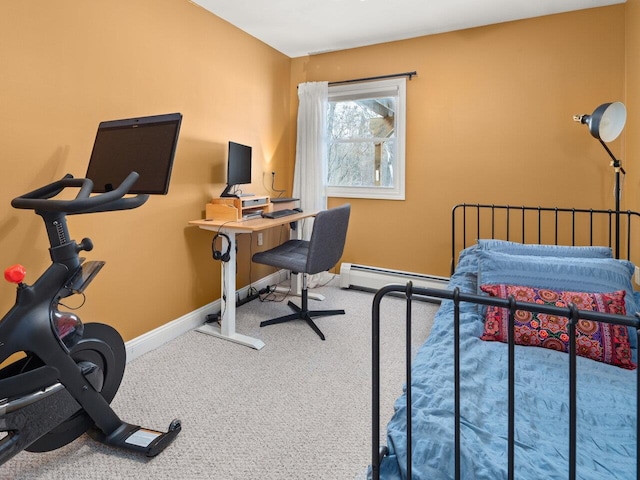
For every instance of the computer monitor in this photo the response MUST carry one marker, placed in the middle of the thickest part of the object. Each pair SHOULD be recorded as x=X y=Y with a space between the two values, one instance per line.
x=146 y=145
x=238 y=168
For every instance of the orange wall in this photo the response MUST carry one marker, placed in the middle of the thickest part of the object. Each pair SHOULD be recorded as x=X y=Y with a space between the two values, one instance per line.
x=489 y=119
x=489 y=104
x=631 y=156
x=70 y=64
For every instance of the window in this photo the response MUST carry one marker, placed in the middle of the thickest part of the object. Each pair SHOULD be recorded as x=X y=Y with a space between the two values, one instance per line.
x=365 y=140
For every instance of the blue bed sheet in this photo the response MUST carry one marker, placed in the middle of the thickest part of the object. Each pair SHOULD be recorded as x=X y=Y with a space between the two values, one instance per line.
x=606 y=407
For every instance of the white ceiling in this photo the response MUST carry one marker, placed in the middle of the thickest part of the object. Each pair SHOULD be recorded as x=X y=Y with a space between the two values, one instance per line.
x=302 y=27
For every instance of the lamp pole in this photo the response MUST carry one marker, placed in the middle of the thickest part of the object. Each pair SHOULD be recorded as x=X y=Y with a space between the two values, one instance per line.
x=617 y=168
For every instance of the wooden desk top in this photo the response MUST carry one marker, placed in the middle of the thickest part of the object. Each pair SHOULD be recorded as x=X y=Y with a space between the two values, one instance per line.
x=251 y=225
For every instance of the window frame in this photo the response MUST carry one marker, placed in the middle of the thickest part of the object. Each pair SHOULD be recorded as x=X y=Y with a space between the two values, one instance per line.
x=396 y=87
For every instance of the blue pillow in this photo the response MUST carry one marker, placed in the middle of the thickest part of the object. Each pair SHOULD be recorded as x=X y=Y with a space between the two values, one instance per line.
x=593 y=275
x=515 y=248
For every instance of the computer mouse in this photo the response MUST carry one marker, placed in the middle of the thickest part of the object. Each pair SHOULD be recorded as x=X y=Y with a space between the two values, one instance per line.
x=298 y=209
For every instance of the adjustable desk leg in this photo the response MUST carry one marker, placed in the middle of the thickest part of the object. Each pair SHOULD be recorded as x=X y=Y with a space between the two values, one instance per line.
x=227 y=329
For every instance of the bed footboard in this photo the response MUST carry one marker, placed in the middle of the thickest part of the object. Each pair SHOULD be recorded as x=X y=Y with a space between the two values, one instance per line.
x=458 y=298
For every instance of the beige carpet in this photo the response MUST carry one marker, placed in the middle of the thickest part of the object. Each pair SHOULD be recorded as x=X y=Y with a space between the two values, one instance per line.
x=297 y=409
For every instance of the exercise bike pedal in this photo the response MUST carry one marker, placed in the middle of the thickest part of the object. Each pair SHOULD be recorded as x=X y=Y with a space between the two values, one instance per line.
x=139 y=439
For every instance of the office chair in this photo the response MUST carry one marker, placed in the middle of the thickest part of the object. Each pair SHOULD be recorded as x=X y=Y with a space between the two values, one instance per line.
x=320 y=253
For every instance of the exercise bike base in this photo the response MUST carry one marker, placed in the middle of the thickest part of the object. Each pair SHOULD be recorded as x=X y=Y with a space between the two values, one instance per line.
x=138 y=439
x=28 y=418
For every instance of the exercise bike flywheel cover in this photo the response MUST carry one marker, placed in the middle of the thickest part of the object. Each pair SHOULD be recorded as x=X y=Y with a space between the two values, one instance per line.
x=102 y=346
x=15 y=273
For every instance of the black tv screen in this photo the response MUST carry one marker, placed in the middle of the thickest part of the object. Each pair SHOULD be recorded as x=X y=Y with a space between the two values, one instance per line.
x=146 y=145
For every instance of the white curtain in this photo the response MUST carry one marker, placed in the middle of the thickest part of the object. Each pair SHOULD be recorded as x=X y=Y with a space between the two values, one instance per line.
x=309 y=172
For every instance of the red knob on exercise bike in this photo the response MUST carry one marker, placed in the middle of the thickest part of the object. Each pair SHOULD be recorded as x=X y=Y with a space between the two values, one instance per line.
x=15 y=273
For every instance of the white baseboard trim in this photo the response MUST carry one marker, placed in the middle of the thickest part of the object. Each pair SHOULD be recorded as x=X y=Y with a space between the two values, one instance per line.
x=369 y=278
x=165 y=333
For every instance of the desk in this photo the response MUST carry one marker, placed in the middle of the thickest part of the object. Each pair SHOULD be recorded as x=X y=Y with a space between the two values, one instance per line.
x=227 y=329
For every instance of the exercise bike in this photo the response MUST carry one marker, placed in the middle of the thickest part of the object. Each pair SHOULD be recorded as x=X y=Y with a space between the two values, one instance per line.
x=68 y=372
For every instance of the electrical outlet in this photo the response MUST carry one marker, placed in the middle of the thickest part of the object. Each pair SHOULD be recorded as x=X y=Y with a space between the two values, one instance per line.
x=636 y=275
x=260 y=241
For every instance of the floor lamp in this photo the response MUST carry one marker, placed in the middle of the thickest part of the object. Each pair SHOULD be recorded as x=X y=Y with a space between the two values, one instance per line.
x=606 y=124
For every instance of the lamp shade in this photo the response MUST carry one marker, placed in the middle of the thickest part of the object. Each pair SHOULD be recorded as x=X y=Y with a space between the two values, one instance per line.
x=607 y=121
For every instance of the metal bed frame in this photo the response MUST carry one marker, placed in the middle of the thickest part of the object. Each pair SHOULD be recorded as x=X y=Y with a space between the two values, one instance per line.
x=543 y=225
x=516 y=226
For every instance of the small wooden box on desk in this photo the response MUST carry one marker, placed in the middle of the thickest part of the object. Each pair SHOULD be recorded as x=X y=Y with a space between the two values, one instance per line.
x=236 y=209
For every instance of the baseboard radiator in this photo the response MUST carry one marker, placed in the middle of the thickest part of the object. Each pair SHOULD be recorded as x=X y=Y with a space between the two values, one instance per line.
x=368 y=278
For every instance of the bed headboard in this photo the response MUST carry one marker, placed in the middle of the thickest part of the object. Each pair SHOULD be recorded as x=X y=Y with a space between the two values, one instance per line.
x=556 y=226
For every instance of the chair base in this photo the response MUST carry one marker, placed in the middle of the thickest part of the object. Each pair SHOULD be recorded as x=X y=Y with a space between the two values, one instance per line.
x=303 y=314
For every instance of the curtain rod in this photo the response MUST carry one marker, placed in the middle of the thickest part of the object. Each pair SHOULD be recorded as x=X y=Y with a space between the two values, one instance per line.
x=380 y=77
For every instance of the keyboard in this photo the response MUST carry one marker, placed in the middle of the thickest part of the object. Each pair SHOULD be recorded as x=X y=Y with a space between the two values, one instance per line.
x=280 y=213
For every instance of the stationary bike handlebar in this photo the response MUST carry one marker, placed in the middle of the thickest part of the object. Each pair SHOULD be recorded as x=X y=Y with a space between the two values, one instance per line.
x=40 y=199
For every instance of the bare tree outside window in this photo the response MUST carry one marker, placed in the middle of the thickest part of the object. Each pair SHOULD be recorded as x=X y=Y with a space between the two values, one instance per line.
x=362 y=144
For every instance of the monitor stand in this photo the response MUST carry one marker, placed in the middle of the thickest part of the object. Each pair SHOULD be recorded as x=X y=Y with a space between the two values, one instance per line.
x=228 y=193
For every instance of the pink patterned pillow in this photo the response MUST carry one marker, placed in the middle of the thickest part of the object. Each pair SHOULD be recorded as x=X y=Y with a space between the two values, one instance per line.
x=602 y=342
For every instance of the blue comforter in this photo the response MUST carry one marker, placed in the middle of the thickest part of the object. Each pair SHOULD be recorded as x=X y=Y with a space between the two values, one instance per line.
x=606 y=407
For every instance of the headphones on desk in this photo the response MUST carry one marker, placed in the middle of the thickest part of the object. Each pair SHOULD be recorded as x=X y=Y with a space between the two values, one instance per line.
x=218 y=254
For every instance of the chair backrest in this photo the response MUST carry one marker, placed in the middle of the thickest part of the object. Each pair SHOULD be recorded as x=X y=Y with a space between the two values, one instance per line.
x=328 y=238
